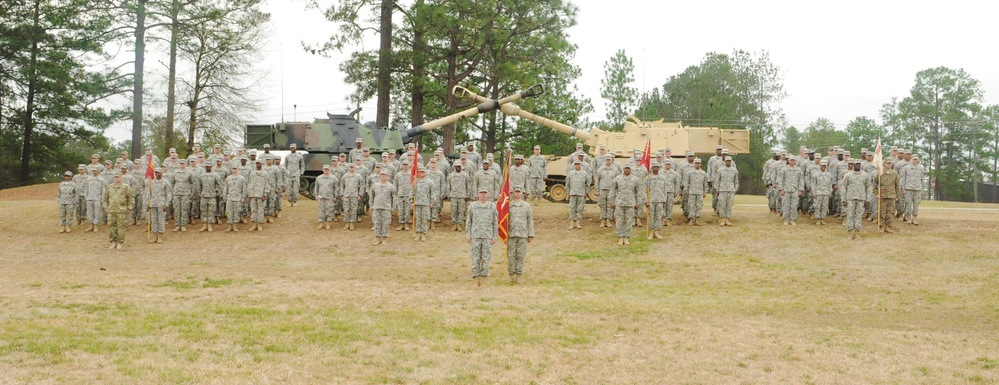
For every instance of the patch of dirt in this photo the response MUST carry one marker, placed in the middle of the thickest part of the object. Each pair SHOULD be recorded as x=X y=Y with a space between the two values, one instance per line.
x=38 y=192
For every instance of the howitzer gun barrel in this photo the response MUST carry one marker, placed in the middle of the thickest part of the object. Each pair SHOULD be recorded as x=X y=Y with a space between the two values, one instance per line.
x=485 y=105
x=513 y=110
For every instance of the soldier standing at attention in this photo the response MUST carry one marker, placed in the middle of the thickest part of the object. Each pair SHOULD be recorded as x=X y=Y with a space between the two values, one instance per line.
x=604 y=180
x=485 y=179
x=912 y=185
x=821 y=184
x=256 y=192
x=382 y=201
x=158 y=199
x=791 y=184
x=521 y=232
x=890 y=189
x=714 y=162
x=685 y=167
x=481 y=230
x=211 y=190
x=81 y=193
x=459 y=189
x=281 y=177
x=538 y=173
x=439 y=184
x=519 y=173
x=66 y=200
x=234 y=194
x=326 y=193
x=95 y=194
x=696 y=182
x=356 y=152
x=626 y=197
x=855 y=188
x=658 y=198
x=135 y=184
x=578 y=183
x=726 y=184
x=672 y=180
x=352 y=192
x=118 y=204
x=296 y=167
x=272 y=190
x=183 y=192
x=473 y=157
x=423 y=193
x=404 y=196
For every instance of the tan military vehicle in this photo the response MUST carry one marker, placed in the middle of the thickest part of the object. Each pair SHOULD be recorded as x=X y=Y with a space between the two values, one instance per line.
x=636 y=133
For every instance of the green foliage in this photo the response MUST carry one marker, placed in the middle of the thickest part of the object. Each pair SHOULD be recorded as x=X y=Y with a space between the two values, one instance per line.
x=792 y=138
x=616 y=88
x=821 y=134
x=864 y=132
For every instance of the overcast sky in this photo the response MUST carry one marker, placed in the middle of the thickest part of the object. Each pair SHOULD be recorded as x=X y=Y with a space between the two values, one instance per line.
x=841 y=59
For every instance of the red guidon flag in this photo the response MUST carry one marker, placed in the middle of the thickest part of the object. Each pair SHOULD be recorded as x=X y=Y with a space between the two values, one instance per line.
x=416 y=166
x=503 y=203
x=646 y=155
x=879 y=161
x=150 y=172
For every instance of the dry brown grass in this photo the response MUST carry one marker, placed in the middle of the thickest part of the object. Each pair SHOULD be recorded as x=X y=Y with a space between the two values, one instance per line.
x=755 y=303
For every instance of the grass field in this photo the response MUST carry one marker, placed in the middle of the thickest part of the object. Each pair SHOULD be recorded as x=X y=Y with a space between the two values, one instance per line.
x=754 y=303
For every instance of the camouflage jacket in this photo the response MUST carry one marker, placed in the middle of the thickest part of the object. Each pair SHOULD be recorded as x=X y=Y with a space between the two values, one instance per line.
x=425 y=192
x=382 y=196
x=714 y=162
x=403 y=189
x=352 y=185
x=67 y=193
x=119 y=199
x=855 y=186
x=133 y=182
x=295 y=164
x=482 y=220
x=627 y=191
x=518 y=176
x=821 y=182
x=95 y=188
x=355 y=153
x=657 y=188
x=182 y=182
x=726 y=179
x=790 y=180
x=538 y=166
x=696 y=182
x=577 y=182
x=94 y=166
x=439 y=183
x=159 y=194
x=574 y=157
x=605 y=177
x=459 y=186
x=256 y=184
x=912 y=177
x=672 y=181
x=234 y=189
x=521 y=220
x=327 y=187
x=888 y=184
x=81 y=184
x=210 y=184
x=486 y=179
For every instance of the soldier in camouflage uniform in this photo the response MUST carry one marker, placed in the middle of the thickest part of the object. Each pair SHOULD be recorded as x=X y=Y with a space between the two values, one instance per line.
x=66 y=200
x=234 y=192
x=183 y=192
x=695 y=181
x=257 y=188
x=481 y=231
x=627 y=197
x=821 y=183
x=118 y=204
x=538 y=173
x=726 y=184
x=714 y=162
x=138 y=184
x=856 y=186
x=521 y=232
x=888 y=189
x=157 y=199
x=211 y=189
x=912 y=188
x=96 y=187
x=871 y=169
x=485 y=179
x=281 y=181
x=326 y=195
x=604 y=180
x=272 y=191
x=404 y=196
x=352 y=190
x=792 y=185
x=519 y=173
x=685 y=167
x=357 y=152
x=424 y=198
x=295 y=163
x=382 y=201
x=439 y=183
x=773 y=193
x=81 y=193
x=577 y=182
x=459 y=190
x=658 y=198
x=672 y=186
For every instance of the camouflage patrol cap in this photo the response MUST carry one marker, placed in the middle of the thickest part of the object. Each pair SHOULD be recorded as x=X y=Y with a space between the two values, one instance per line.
x=839 y=151
x=490 y=156
x=536 y=147
x=406 y=162
x=728 y=159
x=602 y=147
x=383 y=173
x=688 y=153
x=908 y=152
x=267 y=145
x=579 y=145
x=577 y=162
x=365 y=149
x=720 y=147
x=172 y=150
x=198 y=146
x=220 y=161
x=253 y=152
x=434 y=161
x=81 y=167
x=725 y=151
x=217 y=146
x=823 y=163
x=611 y=153
x=385 y=155
x=627 y=165
x=350 y=165
x=107 y=162
x=160 y=169
x=325 y=167
x=518 y=156
x=656 y=165
x=482 y=190
x=95 y=156
x=422 y=169
x=183 y=162
x=67 y=173
x=464 y=151
x=792 y=159
x=698 y=160
x=845 y=153
x=464 y=156
x=411 y=145
x=888 y=161
x=233 y=167
x=293 y=145
x=916 y=157
x=515 y=189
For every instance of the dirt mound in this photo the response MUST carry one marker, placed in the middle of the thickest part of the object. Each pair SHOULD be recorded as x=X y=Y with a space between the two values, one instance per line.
x=30 y=193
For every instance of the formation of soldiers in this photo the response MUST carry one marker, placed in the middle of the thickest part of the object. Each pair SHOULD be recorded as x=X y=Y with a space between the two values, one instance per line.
x=852 y=189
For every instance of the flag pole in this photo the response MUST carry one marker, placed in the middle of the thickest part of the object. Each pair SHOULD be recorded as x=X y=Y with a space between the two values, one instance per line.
x=506 y=242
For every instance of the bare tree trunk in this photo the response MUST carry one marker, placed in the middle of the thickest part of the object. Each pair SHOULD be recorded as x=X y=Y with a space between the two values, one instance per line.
x=172 y=77
x=450 y=101
x=140 y=57
x=29 y=109
x=419 y=72
x=384 y=65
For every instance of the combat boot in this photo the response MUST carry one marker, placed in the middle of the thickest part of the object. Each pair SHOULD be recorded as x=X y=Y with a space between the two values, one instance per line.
x=793 y=223
x=352 y=225
x=914 y=221
x=159 y=238
x=602 y=223
x=270 y=219
x=228 y=228
x=889 y=230
x=346 y=226
x=405 y=227
x=176 y=229
x=478 y=281
x=235 y=228
x=111 y=247
x=204 y=227
x=183 y=229
x=210 y=227
x=118 y=246
x=377 y=241
x=430 y=225
x=62 y=230
x=659 y=235
x=651 y=235
x=627 y=241
x=321 y=226
x=853 y=234
x=69 y=229
x=620 y=241
x=578 y=225
x=383 y=241
x=572 y=224
x=277 y=213
x=328 y=225
x=695 y=222
x=787 y=223
x=399 y=228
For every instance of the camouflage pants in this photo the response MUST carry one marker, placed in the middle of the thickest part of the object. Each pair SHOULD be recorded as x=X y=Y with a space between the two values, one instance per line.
x=116 y=225
x=900 y=207
x=270 y=203
x=350 y=209
x=576 y=205
x=790 y=206
x=294 y=184
x=536 y=187
x=772 y=195
x=625 y=218
x=81 y=207
x=481 y=252
x=207 y=207
x=404 y=210
x=694 y=204
x=233 y=211
x=854 y=214
x=325 y=208
x=604 y=202
x=804 y=203
x=888 y=212
x=657 y=211
x=913 y=199
x=139 y=209
x=157 y=220
x=725 y=201
x=668 y=214
x=517 y=247
x=257 y=208
x=196 y=205
x=435 y=211
x=821 y=206
x=278 y=202
x=66 y=214
x=422 y=218
x=182 y=210
x=872 y=206
x=714 y=199
x=685 y=203
x=94 y=212
x=382 y=218
x=458 y=208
